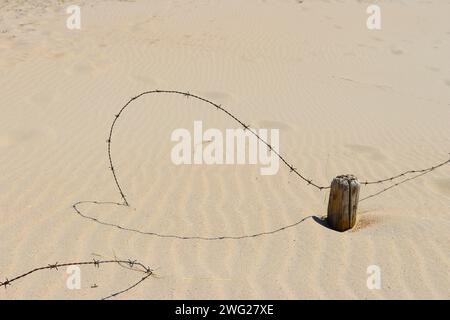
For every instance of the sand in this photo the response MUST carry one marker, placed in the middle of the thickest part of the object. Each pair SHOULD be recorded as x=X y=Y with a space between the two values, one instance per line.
x=346 y=100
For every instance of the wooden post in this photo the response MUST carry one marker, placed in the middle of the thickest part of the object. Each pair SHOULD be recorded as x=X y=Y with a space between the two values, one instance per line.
x=343 y=202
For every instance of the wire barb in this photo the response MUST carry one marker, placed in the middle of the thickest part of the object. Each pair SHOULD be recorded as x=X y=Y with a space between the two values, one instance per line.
x=53 y=266
x=148 y=270
x=5 y=283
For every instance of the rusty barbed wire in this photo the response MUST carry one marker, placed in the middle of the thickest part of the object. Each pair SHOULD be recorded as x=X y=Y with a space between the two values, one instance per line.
x=400 y=175
x=418 y=174
x=395 y=185
x=218 y=107
x=129 y=264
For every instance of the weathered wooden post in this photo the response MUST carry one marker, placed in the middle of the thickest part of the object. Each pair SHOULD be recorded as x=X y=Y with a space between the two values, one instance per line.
x=343 y=202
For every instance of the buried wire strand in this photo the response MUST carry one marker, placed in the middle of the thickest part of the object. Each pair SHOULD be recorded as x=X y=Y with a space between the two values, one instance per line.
x=127 y=289
x=176 y=236
x=130 y=264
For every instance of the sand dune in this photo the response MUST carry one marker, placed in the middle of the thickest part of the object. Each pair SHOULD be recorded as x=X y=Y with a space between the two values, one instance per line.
x=346 y=100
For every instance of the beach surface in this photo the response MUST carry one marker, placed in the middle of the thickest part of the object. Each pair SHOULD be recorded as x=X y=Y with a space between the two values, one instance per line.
x=373 y=103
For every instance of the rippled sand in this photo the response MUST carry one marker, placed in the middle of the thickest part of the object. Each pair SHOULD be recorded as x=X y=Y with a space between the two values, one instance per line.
x=346 y=100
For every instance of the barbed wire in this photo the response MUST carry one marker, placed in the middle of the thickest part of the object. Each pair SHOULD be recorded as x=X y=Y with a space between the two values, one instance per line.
x=400 y=175
x=396 y=185
x=177 y=236
x=217 y=107
x=129 y=264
